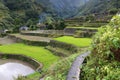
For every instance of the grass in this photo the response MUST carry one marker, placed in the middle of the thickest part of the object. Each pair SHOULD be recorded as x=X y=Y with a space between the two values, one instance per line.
x=80 y=27
x=39 y=53
x=80 y=42
x=60 y=69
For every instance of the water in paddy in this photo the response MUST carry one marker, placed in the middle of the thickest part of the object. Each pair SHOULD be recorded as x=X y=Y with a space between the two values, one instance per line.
x=10 y=69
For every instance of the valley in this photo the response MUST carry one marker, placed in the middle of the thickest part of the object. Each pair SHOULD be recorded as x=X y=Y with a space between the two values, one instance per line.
x=59 y=39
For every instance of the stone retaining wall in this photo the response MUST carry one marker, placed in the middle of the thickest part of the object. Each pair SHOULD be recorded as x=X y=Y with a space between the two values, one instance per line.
x=74 y=72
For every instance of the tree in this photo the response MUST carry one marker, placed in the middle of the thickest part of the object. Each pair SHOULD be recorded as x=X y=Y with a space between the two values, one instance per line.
x=32 y=14
x=60 y=25
x=49 y=26
x=113 y=11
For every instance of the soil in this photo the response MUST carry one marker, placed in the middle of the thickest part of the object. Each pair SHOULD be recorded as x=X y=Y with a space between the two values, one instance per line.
x=116 y=53
x=32 y=38
x=6 y=40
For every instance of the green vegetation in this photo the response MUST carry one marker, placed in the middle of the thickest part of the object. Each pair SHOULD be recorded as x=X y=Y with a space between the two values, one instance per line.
x=60 y=69
x=4 y=17
x=104 y=62
x=52 y=67
x=80 y=27
x=17 y=13
x=89 y=24
x=100 y=6
x=80 y=42
x=39 y=53
x=57 y=25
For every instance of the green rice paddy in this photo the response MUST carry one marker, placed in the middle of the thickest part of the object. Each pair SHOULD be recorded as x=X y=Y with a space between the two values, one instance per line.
x=38 y=53
x=80 y=42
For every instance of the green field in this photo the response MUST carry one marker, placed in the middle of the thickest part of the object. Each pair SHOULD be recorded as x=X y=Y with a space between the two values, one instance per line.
x=39 y=53
x=80 y=42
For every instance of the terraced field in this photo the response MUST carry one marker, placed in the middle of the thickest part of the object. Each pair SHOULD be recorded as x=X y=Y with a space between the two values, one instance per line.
x=80 y=42
x=39 y=53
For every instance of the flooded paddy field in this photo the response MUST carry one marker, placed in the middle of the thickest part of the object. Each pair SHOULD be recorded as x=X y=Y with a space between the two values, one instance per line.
x=10 y=69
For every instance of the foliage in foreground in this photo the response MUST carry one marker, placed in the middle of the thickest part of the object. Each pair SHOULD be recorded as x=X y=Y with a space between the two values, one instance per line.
x=103 y=63
x=60 y=69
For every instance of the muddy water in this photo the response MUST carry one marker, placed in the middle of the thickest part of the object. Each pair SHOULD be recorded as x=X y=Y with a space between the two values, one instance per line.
x=10 y=69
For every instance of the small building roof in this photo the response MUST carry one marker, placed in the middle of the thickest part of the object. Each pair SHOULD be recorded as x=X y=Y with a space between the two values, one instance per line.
x=41 y=25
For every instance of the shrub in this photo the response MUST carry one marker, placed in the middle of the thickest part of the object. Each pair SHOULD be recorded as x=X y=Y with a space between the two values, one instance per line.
x=83 y=34
x=60 y=25
x=60 y=69
x=103 y=63
x=113 y=11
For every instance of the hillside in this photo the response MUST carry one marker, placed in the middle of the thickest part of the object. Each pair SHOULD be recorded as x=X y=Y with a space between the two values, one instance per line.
x=64 y=8
x=4 y=16
x=14 y=14
x=29 y=12
x=99 y=6
x=18 y=13
x=60 y=39
x=95 y=12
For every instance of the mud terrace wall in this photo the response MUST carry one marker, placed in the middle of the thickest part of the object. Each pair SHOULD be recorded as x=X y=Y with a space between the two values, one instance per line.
x=29 y=42
x=66 y=46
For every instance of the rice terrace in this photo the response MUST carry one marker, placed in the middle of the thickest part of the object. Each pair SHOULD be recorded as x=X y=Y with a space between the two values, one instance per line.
x=59 y=39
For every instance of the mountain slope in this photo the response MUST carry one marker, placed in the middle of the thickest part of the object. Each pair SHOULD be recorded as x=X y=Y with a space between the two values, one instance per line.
x=16 y=13
x=4 y=17
x=63 y=8
x=99 y=6
x=28 y=12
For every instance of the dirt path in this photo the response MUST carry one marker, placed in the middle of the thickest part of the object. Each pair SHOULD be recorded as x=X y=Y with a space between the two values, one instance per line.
x=74 y=71
x=6 y=40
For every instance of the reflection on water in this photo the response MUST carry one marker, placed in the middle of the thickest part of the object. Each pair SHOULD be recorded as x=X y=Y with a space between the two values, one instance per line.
x=10 y=70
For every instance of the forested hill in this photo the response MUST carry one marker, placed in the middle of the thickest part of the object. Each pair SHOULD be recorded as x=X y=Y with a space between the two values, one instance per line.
x=63 y=8
x=16 y=13
x=100 y=6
